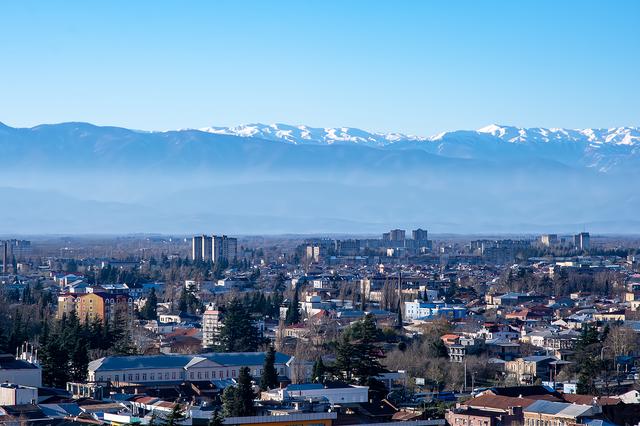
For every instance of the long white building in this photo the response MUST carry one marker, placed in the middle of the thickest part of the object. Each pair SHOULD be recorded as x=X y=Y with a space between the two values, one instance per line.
x=164 y=369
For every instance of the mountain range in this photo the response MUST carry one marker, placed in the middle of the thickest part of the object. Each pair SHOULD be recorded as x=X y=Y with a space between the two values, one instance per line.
x=257 y=178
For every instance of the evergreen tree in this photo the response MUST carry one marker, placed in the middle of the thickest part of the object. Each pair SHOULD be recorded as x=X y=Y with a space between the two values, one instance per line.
x=245 y=392
x=217 y=419
x=589 y=370
x=79 y=361
x=238 y=334
x=357 y=356
x=293 y=313
x=150 y=309
x=269 y=377
x=4 y=339
x=230 y=402
x=54 y=360
x=120 y=334
x=399 y=322
x=175 y=416
x=319 y=371
x=237 y=401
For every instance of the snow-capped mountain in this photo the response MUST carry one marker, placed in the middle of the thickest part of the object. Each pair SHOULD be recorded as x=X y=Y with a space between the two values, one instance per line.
x=311 y=135
x=301 y=134
x=615 y=136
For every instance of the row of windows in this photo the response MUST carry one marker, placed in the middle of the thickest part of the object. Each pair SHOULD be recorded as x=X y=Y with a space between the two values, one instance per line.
x=539 y=422
x=175 y=376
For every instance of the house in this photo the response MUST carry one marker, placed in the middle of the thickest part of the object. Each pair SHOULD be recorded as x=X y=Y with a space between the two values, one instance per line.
x=428 y=310
x=526 y=370
x=488 y=410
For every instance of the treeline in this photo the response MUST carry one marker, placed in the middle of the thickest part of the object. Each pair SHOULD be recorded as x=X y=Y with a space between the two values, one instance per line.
x=67 y=345
x=563 y=283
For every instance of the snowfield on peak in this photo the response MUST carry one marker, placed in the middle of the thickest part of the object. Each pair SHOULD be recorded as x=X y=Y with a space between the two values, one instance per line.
x=300 y=134
x=312 y=135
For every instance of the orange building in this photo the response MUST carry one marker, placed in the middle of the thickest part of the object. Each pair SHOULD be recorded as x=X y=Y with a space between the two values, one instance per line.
x=89 y=306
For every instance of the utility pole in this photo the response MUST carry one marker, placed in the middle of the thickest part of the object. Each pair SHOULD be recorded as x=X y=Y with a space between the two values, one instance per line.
x=465 y=375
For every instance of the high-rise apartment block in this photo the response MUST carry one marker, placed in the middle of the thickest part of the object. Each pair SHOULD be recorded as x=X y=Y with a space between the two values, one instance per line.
x=397 y=235
x=420 y=234
x=196 y=247
x=549 y=240
x=582 y=241
x=214 y=248
x=211 y=326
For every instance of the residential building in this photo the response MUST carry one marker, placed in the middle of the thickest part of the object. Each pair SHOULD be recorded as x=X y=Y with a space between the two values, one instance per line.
x=526 y=370
x=428 y=310
x=211 y=326
x=420 y=235
x=214 y=248
x=224 y=248
x=582 y=241
x=90 y=306
x=196 y=247
x=549 y=240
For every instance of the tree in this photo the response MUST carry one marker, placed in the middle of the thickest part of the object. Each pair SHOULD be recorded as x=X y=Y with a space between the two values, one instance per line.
x=120 y=332
x=230 y=402
x=293 y=312
x=79 y=361
x=399 y=321
x=319 y=371
x=589 y=370
x=150 y=309
x=245 y=392
x=621 y=340
x=237 y=401
x=238 y=334
x=357 y=356
x=217 y=419
x=269 y=377
x=175 y=416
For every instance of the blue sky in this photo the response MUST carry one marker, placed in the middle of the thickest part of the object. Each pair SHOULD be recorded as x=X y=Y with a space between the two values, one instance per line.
x=412 y=66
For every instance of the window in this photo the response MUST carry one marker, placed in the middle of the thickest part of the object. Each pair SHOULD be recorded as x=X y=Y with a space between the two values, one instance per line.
x=173 y=375
x=153 y=376
x=137 y=376
x=130 y=377
x=166 y=376
x=191 y=375
x=144 y=376
x=199 y=375
x=233 y=373
x=206 y=374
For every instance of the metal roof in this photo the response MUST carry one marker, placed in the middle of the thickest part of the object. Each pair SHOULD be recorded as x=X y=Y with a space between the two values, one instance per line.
x=238 y=359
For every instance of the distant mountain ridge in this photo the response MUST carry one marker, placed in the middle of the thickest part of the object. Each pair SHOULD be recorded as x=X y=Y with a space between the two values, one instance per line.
x=282 y=178
x=301 y=134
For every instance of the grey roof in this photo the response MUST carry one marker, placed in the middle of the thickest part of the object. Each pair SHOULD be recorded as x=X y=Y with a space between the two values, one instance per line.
x=9 y=362
x=559 y=409
x=240 y=359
